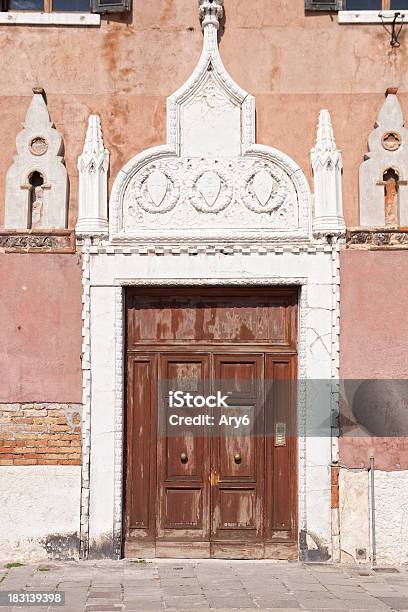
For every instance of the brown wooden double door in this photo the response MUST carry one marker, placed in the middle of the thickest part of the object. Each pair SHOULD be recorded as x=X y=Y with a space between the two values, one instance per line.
x=225 y=487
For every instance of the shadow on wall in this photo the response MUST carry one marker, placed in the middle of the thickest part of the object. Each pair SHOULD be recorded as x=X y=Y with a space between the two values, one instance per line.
x=374 y=408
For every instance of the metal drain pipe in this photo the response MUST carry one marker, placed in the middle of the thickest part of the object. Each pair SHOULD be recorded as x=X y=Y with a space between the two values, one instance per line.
x=373 y=540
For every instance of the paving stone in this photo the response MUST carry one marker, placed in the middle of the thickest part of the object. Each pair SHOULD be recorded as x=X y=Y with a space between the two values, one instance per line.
x=104 y=608
x=223 y=602
x=365 y=604
x=143 y=604
x=186 y=603
x=114 y=586
x=264 y=602
x=397 y=603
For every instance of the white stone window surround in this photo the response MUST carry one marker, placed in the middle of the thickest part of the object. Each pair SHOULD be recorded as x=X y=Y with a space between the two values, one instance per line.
x=108 y=272
x=43 y=19
x=373 y=17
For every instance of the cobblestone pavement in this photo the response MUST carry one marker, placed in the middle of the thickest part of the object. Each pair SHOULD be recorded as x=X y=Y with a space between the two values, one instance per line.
x=106 y=586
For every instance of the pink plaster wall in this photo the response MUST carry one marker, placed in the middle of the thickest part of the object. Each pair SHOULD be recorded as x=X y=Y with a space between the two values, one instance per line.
x=295 y=64
x=374 y=340
x=40 y=314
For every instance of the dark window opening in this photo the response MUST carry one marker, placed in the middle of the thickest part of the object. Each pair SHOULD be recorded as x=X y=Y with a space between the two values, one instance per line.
x=36 y=202
x=26 y=5
x=399 y=5
x=376 y=5
x=391 y=197
x=70 y=5
x=48 y=6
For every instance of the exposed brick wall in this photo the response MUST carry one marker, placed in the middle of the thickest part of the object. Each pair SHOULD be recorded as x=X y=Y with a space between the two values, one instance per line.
x=40 y=434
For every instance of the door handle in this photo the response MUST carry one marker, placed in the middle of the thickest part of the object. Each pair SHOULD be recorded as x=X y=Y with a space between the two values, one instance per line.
x=237 y=458
x=183 y=457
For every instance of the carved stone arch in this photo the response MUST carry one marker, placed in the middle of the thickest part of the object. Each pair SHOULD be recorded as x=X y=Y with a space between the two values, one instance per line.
x=26 y=177
x=211 y=181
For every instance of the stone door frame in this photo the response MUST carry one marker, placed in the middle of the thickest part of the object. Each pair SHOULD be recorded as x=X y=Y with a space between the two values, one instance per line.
x=103 y=364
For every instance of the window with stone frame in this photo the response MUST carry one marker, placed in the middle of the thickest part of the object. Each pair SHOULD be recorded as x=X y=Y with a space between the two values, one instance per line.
x=65 y=6
x=48 y=6
x=355 y=5
x=374 y=5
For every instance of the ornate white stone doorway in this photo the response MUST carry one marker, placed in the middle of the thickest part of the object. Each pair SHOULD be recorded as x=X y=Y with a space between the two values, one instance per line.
x=211 y=208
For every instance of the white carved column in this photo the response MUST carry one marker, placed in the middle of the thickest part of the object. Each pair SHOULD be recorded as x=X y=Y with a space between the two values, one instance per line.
x=93 y=165
x=327 y=166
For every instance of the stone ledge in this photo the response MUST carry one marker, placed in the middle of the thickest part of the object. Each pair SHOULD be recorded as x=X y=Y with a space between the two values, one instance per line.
x=41 y=19
x=377 y=238
x=37 y=241
x=364 y=17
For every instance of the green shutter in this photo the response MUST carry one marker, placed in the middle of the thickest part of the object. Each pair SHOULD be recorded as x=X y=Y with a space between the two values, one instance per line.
x=111 y=6
x=323 y=5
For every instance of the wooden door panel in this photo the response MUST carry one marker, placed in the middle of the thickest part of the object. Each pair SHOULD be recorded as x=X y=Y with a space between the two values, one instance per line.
x=140 y=499
x=237 y=455
x=182 y=458
x=281 y=454
x=237 y=509
x=215 y=316
x=228 y=492
x=234 y=469
x=184 y=508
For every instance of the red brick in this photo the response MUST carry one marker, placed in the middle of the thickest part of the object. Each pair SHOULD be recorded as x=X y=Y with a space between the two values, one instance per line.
x=26 y=421
x=56 y=413
x=60 y=428
x=35 y=413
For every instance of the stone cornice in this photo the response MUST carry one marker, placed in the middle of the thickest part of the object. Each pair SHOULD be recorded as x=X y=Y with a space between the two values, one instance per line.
x=377 y=238
x=37 y=241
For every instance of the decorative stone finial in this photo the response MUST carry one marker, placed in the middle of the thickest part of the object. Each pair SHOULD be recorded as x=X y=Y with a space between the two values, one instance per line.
x=327 y=166
x=391 y=90
x=93 y=167
x=211 y=12
x=325 y=144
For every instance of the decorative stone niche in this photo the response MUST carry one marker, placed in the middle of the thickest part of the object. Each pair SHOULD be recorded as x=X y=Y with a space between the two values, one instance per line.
x=384 y=173
x=37 y=181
